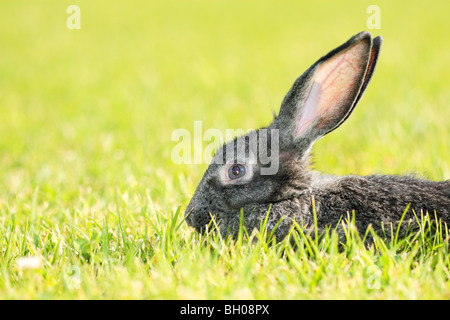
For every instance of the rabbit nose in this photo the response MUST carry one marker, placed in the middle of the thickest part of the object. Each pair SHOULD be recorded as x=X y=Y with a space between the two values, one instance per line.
x=188 y=210
x=197 y=217
x=188 y=213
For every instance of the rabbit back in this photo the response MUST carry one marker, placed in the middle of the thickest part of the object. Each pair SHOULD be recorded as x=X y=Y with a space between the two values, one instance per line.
x=379 y=200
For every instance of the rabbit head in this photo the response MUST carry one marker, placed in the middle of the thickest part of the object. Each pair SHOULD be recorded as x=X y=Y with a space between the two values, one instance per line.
x=268 y=168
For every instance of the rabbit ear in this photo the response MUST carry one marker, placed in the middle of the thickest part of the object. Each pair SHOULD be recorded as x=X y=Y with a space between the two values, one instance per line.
x=325 y=95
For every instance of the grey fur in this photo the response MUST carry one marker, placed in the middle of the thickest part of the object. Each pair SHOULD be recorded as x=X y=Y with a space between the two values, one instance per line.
x=376 y=200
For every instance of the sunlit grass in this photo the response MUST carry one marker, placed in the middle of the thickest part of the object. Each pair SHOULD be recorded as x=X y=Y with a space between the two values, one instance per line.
x=90 y=195
x=155 y=256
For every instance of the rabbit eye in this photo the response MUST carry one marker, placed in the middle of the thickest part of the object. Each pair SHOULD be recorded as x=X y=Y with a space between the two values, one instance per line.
x=236 y=171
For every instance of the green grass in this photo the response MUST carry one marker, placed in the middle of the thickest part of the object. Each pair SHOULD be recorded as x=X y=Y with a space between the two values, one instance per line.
x=87 y=185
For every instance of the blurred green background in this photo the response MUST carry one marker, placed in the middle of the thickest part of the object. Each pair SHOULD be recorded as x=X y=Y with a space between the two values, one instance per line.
x=88 y=114
x=93 y=109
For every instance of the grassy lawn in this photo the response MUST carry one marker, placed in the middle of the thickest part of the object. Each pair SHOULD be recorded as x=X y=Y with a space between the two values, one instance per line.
x=91 y=204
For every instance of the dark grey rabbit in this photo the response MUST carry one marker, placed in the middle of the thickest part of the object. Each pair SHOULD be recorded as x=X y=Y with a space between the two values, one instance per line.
x=319 y=101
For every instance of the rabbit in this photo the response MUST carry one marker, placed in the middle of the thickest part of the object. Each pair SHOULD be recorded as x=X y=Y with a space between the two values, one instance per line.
x=320 y=100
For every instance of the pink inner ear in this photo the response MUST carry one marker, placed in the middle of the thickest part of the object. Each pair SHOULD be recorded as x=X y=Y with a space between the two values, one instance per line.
x=335 y=86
